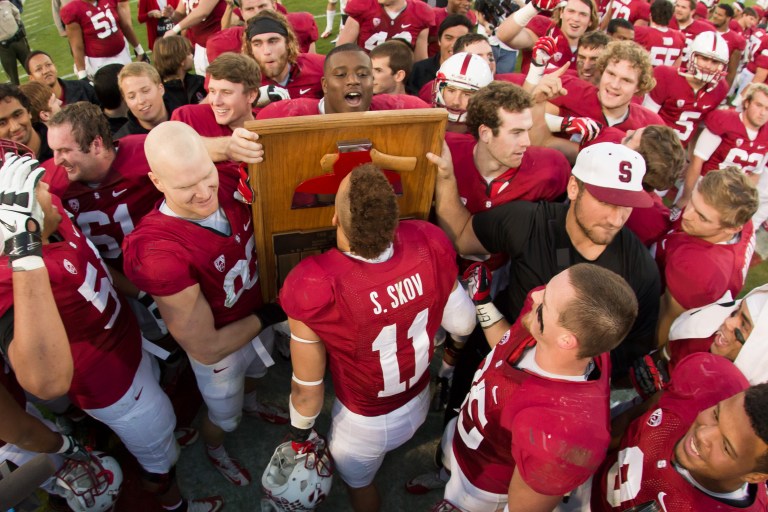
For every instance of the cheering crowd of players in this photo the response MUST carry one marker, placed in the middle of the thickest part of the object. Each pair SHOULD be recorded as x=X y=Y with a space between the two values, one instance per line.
x=596 y=216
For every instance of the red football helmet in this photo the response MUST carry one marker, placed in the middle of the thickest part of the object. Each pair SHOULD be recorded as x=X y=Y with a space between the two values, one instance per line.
x=15 y=148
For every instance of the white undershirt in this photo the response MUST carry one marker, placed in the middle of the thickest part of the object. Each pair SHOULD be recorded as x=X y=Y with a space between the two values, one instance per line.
x=739 y=495
x=381 y=258
x=528 y=362
x=216 y=221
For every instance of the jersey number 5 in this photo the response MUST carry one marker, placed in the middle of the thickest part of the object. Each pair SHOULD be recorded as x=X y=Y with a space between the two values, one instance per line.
x=386 y=345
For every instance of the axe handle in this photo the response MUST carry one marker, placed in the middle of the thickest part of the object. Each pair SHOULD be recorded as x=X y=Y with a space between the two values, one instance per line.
x=393 y=162
x=327 y=161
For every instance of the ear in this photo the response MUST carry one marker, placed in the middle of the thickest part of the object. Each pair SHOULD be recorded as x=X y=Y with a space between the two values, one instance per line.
x=733 y=231
x=572 y=188
x=253 y=96
x=45 y=116
x=155 y=181
x=755 y=477
x=335 y=220
x=400 y=76
x=485 y=134
x=567 y=341
x=97 y=145
x=324 y=85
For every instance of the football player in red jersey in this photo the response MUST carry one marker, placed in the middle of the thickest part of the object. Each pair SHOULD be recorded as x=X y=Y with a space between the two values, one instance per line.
x=625 y=70
x=392 y=62
x=535 y=424
x=636 y=12
x=524 y=27
x=700 y=445
x=113 y=380
x=370 y=309
x=195 y=254
x=302 y=23
x=97 y=33
x=684 y=21
x=347 y=87
x=705 y=257
x=685 y=97
x=665 y=44
x=201 y=19
x=722 y=15
x=730 y=138
x=371 y=22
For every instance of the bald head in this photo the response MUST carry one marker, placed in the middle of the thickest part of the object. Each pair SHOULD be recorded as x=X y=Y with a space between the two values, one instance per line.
x=172 y=147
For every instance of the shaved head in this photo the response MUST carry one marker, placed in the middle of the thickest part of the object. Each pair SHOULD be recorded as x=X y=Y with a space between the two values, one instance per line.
x=172 y=146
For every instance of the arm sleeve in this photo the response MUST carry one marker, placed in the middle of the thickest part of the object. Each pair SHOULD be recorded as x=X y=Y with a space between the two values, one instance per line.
x=707 y=144
x=506 y=227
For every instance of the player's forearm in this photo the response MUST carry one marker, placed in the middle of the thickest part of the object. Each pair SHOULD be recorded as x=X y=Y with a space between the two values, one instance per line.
x=126 y=25
x=452 y=216
x=40 y=352
x=78 y=53
x=349 y=33
x=27 y=432
x=689 y=181
x=420 y=49
x=307 y=400
x=224 y=341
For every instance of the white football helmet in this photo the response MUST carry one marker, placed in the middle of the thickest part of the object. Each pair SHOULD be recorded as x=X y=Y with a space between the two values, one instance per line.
x=90 y=486
x=297 y=481
x=464 y=71
x=712 y=45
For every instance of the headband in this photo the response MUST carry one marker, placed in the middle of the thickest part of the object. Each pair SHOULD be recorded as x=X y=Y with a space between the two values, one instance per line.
x=265 y=25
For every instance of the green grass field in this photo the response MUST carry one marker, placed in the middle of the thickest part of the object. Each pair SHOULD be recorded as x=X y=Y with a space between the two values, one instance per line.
x=42 y=34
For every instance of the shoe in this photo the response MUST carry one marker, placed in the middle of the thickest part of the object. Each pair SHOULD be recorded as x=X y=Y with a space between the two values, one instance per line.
x=210 y=504
x=326 y=34
x=231 y=468
x=270 y=413
x=186 y=436
x=424 y=483
x=442 y=387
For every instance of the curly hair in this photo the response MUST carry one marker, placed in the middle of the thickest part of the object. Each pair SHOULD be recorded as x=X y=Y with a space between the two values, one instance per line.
x=291 y=41
x=368 y=211
x=602 y=311
x=664 y=156
x=87 y=122
x=638 y=58
x=731 y=193
x=756 y=407
x=484 y=105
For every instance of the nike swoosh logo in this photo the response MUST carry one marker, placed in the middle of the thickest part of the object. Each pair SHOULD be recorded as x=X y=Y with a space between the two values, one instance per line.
x=116 y=193
x=304 y=91
x=661 y=500
x=219 y=370
x=247 y=225
x=405 y=26
x=9 y=227
x=139 y=394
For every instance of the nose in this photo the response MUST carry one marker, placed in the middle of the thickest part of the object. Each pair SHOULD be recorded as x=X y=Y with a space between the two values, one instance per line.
x=618 y=215
x=352 y=78
x=525 y=139
x=57 y=157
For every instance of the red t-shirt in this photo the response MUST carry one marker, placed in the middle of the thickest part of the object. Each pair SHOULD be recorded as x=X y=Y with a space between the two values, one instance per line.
x=102 y=330
x=642 y=469
x=664 y=45
x=165 y=255
x=554 y=432
x=376 y=26
x=201 y=118
x=376 y=320
x=99 y=23
x=110 y=211
x=698 y=272
x=681 y=107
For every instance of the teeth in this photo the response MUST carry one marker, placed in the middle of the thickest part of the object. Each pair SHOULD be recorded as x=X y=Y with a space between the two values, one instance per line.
x=693 y=447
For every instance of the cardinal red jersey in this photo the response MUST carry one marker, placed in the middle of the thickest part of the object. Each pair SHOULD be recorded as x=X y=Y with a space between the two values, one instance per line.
x=311 y=107
x=227 y=40
x=736 y=147
x=734 y=25
x=698 y=272
x=753 y=36
x=210 y=25
x=632 y=10
x=98 y=21
x=541 y=176
x=305 y=28
x=110 y=211
x=544 y=26
x=682 y=108
x=440 y=14
x=680 y=349
x=664 y=44
x=735 y=41
x=759 y=56
x=376 y=320
x=165 y=255
x=555 y=432
x=102 y=331
x=201 y=118
x=304 y=77
x=582 y=101
x=376 y=26
x=650 y=224
x=643 y=469
x=694 y=29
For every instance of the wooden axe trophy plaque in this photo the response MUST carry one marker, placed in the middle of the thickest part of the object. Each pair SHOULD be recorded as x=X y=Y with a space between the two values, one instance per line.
x=305 y=159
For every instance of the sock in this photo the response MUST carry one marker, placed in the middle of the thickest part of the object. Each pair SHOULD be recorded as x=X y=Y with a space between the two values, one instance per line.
x=250 y=402
x=218 y=452
x=329 y=15
x=181 y=506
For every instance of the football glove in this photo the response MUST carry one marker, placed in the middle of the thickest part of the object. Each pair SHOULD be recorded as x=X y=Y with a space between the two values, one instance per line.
x=244 y=192
x=648 y=376
x=148 y=302
x=543 y=50
x=587 y=127
x=270 y=93
x=72 y=449
x=547 y=5
x=478 y=279
x=21 y=217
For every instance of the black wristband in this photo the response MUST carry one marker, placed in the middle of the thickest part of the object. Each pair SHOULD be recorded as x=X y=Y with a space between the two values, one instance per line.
x=299 y=435
x=24 y=244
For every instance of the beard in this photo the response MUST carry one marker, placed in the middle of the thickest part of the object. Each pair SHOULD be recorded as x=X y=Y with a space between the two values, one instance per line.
x=597 y=236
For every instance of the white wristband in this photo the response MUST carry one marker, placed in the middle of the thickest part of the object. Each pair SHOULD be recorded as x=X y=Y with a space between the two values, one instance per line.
x=139 y=49
x=298 y=420
x=554 y=123
x=65 y=444
x=487 y=315
x=535 y=72
x=176 y=28
x=82 y=74
x=525 y=14
x=27 y=263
